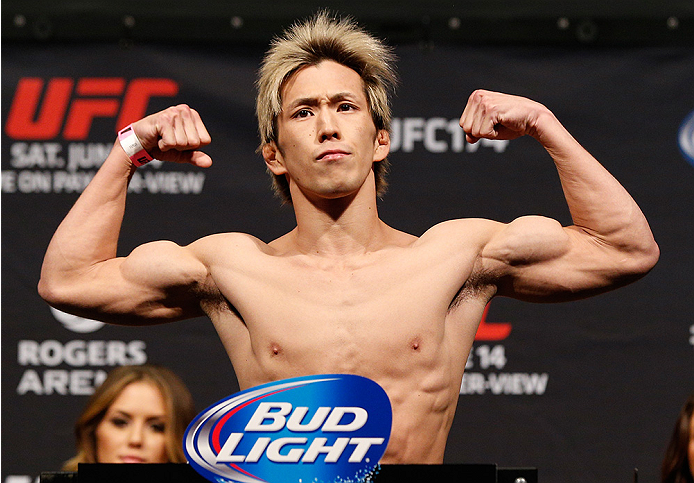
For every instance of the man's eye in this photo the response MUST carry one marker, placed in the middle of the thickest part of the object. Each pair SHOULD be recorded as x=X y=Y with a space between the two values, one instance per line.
x=346 y=107
x=302 y=113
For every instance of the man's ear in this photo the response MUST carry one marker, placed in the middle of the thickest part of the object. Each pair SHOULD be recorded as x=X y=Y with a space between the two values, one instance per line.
x=382 y=145
x=273 y=159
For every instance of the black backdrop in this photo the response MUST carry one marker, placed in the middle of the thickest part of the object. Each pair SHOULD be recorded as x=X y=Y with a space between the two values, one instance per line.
x=585 y=391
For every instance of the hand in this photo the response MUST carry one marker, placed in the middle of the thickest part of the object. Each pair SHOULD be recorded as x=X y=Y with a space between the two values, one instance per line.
x=175 y=134
x=492 y=115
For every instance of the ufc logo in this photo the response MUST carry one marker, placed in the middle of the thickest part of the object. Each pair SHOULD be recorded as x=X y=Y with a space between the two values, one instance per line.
x=492 y=331
x=32 y=117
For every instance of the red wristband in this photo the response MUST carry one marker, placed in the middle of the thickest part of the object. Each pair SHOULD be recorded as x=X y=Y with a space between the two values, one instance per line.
x=133 y=147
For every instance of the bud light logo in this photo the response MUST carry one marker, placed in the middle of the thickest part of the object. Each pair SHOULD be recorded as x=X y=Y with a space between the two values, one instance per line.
x=314 y=429
x=686 y=138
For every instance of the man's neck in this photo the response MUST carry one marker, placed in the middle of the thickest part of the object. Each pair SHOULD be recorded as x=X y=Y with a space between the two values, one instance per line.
x=339 y=227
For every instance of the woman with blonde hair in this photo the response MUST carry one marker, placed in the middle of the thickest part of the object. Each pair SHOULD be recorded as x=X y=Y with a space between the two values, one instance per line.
x=138 y=415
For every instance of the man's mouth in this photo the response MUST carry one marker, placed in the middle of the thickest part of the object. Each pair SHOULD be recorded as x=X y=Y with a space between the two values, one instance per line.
x=331 y=155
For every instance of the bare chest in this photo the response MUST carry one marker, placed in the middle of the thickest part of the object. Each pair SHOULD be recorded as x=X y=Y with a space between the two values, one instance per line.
x=362 y=305
x=372 y=318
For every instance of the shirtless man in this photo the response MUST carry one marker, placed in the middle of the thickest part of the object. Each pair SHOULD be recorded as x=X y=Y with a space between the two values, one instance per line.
x=343 y=292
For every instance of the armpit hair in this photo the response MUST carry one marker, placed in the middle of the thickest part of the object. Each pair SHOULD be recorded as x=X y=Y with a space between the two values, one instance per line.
x=213 y=300
x=477 y=283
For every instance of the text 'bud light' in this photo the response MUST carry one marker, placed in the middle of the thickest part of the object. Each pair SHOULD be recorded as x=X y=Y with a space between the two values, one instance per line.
x=318 y=429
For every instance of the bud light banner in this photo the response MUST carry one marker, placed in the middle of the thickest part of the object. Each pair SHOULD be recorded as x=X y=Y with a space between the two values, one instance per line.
x=308 y=429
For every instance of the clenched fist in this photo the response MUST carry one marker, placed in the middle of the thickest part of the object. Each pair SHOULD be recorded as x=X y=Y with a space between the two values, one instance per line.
x=492 y=115
x=175 y=134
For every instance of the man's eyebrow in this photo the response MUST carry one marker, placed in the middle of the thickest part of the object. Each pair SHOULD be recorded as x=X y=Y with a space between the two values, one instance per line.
x=313 y=101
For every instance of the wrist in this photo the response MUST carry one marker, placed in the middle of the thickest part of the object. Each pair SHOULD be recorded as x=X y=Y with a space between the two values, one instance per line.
x=546 y=127
x=133 y=147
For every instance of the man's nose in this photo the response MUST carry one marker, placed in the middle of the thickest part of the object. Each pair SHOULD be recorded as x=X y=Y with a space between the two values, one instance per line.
x=327 y=126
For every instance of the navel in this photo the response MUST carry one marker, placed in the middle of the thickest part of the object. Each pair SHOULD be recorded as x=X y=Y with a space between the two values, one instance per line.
x=275 y=349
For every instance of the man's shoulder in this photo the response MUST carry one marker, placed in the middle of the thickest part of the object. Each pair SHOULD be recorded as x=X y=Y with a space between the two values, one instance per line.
x=473 y=231
x=231 y=244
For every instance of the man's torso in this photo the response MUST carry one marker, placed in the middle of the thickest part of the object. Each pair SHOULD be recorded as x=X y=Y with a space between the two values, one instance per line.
x=404 y=316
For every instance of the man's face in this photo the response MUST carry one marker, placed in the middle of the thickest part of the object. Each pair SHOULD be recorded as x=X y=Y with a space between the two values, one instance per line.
x=327 y=141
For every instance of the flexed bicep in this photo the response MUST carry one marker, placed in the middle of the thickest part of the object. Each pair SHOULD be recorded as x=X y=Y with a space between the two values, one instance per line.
x=158 y=282
x=537 y=259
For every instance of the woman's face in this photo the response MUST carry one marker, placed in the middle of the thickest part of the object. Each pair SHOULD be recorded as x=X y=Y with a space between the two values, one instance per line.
x=134 y=427
x=690 y=451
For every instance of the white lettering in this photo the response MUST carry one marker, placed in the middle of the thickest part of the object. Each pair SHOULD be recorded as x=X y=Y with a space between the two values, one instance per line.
x=332 y=453
x=55 y=381
x=412 y=132
x=226 y=454
x=75 y=354
x=491 y=356
x=51 y=353
x=518 y=383
x=34 y=181
x=87 y=155
x=457 y=135
x=136 y=184
x=172 y=182
x=28 y=353
x=36 y=155
x=9 y=182
x=363 y=445
x=80 y=383
x=263 y=413
x=292 y=456
x=333 y=422
x=65 y=182
x=432 y=144
x=273 y=449
x=96 y=353
x=58 y=381
x=136 y=352
x=257 y=450
x=473 y=383
x=30 y=382
x=437 y=135
x=116 y=353
x=79 y=353
x=294 y=422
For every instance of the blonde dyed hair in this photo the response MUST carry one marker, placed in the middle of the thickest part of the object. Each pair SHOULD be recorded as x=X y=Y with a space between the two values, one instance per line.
x=325 y=37
x=178 y=402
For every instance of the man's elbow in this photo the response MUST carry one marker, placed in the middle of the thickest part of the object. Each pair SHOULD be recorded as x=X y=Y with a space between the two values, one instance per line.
x=651 y=256
x=642 y=261
x=54 y=292
x=48 y=291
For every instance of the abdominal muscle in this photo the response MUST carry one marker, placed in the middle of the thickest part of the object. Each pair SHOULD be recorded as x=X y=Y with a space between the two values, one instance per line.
x=420 y=371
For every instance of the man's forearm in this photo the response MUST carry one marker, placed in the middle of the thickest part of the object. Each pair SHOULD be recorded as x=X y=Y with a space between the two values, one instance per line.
x=89 y=233
x=598 y=203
